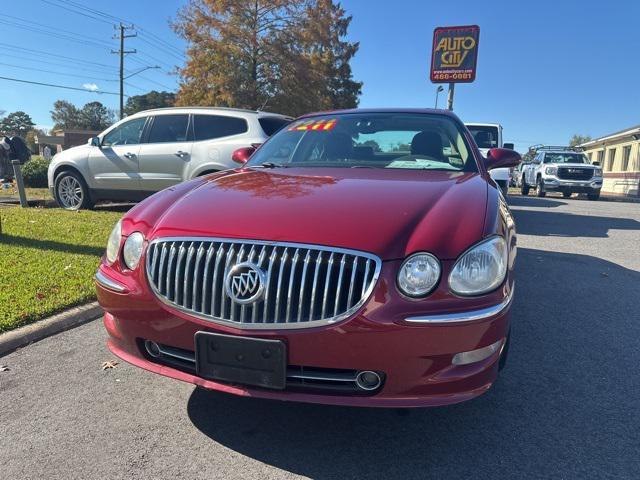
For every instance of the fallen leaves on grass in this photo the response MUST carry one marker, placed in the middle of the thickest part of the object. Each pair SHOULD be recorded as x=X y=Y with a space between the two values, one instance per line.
x=108 y=365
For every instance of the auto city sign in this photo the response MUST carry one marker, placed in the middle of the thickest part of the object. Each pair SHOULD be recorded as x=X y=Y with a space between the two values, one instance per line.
x=455 y=54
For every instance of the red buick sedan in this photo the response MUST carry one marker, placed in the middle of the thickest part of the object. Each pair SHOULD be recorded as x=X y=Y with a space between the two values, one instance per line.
x=360 y=257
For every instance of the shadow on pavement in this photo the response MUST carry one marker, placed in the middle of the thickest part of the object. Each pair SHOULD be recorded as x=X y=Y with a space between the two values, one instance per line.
x=551 y=223
x=564 y=406
x=520 y=201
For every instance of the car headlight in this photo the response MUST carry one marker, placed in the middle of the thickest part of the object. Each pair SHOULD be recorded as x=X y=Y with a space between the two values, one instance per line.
x=481 y=269
x=551 y=170
x=113 y=244
x=597 y=172
x=419 y=274
x=132 y=250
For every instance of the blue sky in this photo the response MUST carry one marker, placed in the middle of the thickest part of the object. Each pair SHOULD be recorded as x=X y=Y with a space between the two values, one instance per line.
x=546 y=69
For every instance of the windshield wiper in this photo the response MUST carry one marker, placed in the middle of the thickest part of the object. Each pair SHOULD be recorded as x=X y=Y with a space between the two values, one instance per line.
x=271 y=165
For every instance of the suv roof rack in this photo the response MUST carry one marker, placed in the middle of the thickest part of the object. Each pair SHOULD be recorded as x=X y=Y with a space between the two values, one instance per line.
x=553 y=148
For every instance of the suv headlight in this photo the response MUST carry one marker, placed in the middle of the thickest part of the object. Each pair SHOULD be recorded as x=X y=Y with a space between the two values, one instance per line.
x=132 y=250
x=113 y=244
x=597 y=172
x=419 y=274
x=481 y=268
x=551 y=170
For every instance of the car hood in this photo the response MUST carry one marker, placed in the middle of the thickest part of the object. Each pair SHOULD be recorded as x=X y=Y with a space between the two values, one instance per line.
x=73 y=152
x=390 y=213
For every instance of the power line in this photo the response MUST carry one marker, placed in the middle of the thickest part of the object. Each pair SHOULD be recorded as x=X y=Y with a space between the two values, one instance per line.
x=57 y=73
x=100 y=92
x=43 y=53
x=67 y=64
x=54 y=34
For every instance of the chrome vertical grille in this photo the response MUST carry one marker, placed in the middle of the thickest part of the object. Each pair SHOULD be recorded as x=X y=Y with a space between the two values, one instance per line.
x=305 y=285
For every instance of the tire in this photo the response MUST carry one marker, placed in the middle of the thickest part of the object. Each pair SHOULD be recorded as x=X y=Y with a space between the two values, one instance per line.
x=566 y=194
x=593 y=196
x=540 y=188
x=71 y=191
x=524 y=188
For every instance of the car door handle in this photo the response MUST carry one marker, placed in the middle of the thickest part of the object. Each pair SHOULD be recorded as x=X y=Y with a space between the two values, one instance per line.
x=181 y=154
x=129 y=155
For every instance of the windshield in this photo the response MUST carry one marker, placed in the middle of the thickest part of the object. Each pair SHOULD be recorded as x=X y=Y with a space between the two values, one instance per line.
x=485 y=137
x=378 y=140
x=565 y=158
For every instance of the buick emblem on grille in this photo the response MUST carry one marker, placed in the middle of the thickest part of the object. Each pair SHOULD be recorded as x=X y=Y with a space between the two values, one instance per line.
x=245 y=283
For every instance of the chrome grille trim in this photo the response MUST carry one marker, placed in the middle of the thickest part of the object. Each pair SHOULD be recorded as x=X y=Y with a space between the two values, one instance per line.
x=306 y=285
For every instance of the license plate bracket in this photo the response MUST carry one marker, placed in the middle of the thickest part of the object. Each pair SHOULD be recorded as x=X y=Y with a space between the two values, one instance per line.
x=241 y=360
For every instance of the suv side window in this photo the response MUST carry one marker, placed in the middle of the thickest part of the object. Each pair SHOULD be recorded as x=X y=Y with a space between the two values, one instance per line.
x=129 y=133
x=168 y=129
x=207 y=127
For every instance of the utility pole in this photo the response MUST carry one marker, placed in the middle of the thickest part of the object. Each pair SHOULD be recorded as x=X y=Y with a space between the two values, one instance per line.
x=122 y=52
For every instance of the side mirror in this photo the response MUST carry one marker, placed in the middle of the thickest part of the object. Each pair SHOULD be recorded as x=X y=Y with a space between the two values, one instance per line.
x=596 y=163
x=508 y=146
x=94 y=141
x=242 y=155
x=502 y=158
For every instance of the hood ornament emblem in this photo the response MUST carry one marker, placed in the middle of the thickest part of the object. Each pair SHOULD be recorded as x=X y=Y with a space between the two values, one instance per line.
x=245 y=283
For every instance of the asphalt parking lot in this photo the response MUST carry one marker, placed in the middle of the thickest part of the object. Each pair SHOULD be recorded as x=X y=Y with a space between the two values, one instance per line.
x=566 y=406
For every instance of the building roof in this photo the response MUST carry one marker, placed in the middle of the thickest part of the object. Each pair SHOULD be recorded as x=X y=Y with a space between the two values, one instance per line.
x=612 y=136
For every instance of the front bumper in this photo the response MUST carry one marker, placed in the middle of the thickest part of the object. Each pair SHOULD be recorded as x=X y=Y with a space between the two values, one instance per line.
x=413 y=348
x=574 y=186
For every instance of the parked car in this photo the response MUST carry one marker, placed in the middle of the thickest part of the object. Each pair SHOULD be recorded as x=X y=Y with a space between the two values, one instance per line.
x=155 y=149
x=360 y=257
x=561 y=169
x=488 y=136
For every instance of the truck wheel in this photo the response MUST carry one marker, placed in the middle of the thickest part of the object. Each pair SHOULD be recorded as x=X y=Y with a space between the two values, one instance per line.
x=566 y=194
x=594 y=195
x=504 y=186
x=524 y=188
x=540 y=188
x=71 y=191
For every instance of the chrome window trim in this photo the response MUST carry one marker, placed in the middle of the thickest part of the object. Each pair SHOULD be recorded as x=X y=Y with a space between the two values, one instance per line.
x=462 y=317
x=109 y=283
x=269 y=326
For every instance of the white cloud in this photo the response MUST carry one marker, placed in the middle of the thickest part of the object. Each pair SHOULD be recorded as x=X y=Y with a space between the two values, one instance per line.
x=91 y=86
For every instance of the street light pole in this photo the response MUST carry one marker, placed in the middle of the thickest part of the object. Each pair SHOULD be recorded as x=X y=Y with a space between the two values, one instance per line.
x=438 y=90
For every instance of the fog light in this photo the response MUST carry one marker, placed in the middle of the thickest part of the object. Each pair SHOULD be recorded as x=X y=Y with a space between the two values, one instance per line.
x=473 y=356
x=368 y=380
x=152 y=348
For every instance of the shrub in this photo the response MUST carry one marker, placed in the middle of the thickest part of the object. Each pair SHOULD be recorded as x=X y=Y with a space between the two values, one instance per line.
x=35 y=172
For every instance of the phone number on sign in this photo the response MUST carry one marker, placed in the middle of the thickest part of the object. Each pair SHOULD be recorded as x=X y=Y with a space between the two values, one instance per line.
x=452 y=76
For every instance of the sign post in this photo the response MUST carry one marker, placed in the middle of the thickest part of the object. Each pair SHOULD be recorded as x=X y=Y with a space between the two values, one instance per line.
x=454 y=56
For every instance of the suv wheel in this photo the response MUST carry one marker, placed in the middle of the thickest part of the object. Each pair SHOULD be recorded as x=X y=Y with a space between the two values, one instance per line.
x=71 y=191
x=566 y=194
x=540 y=188
x=594 y=195
x=524 y=188
x=504 y=187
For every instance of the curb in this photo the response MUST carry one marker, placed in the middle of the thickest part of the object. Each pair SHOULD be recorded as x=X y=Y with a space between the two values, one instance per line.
x=41 y=329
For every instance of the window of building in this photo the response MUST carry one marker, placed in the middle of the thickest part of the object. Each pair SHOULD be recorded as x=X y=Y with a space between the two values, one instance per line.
x=626 y=155
x=169 y=129
x=601 y=158
x=611 y=159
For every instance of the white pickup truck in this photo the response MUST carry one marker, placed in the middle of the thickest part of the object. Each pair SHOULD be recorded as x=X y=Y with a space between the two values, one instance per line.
x=561 y=169
x=487 y=136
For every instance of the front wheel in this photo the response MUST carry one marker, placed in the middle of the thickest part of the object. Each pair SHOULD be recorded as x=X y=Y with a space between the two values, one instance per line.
x=524 y=188
x=594 y=195
x=71 y=191
x=566 y=194
x=540 y=192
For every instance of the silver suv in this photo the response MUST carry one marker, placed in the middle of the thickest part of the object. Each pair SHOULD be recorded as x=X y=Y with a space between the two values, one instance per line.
x=155 y=149
x=561 y=169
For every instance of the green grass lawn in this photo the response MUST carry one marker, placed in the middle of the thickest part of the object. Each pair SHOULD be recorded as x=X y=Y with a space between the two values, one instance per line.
x=32 y=193
x=48 y=257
